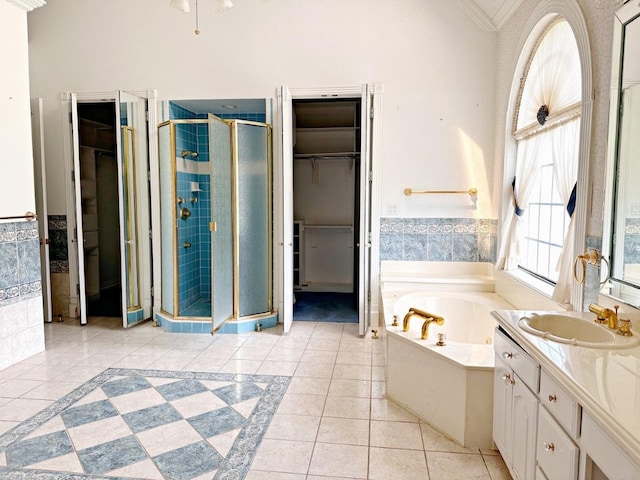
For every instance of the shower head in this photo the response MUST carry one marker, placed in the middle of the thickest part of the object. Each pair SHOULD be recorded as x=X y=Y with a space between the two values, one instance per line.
x=189 y=153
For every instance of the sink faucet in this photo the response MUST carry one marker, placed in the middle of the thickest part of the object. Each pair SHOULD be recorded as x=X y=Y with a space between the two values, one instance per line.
x=428 y=319
x=604 y=314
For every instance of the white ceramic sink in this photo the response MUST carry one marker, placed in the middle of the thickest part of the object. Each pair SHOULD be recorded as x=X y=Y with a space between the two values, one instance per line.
x=575 y=331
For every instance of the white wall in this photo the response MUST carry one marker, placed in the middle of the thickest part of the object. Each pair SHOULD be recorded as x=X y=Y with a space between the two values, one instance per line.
x=17 y=193
x=21 y=318
x=436 y=65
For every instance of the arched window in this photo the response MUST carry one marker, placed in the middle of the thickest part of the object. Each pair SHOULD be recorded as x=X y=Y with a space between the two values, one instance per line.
x=546 y=129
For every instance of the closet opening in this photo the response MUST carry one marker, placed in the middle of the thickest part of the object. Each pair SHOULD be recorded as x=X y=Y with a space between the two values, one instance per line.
x=100 y=211
x=326 y=209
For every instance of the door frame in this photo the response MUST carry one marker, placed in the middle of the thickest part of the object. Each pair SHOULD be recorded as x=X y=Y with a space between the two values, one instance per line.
x=279 y=247
x=76 y=277
x=40 y=179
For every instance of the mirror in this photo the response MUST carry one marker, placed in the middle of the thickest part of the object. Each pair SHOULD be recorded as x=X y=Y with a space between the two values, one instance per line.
x=621 y=239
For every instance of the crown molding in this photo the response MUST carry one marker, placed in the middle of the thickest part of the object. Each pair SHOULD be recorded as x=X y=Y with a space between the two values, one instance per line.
x=28 y=5
x=485 y=14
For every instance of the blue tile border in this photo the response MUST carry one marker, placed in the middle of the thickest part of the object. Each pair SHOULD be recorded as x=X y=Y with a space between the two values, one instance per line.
x=170 y=324
x=20 y=276
x=438 y=239
x=234 y=466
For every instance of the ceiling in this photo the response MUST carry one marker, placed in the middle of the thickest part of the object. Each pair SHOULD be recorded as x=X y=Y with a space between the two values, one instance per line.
x=253 y=105
x=490 y=14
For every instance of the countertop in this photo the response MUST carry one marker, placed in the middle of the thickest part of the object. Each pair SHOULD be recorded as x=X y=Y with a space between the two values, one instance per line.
x=606 y=382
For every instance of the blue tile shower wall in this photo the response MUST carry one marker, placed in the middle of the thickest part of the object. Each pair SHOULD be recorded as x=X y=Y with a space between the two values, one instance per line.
x=438 y=239
x=194 y=261
x=20 y=276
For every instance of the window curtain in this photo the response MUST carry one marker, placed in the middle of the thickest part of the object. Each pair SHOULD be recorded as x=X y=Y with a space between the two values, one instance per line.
x=565 y=143
x=552 y=78
x=527 y=172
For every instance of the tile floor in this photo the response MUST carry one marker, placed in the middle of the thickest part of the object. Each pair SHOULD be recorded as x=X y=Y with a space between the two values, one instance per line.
x=333 y=421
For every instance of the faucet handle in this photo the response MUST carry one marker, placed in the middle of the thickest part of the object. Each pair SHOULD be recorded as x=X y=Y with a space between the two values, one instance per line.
x=625 y=327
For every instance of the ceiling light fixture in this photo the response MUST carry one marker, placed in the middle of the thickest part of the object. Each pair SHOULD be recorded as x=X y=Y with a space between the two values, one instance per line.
x=183 y=5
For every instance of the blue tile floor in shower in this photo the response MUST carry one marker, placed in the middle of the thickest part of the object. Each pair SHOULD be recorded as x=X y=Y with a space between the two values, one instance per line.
x=146 y=424
x=200 y=308
x=325 y=307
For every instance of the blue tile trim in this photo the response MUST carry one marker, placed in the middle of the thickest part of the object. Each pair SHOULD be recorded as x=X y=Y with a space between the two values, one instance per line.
x=187 y=326
x=235 y=465
x=438 y=239
x=19 y=262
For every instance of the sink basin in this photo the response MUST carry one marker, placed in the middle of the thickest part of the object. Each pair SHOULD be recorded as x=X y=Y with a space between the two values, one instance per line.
x=575 y=331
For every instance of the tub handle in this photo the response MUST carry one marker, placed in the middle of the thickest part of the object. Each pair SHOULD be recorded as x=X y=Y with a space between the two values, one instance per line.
x=507 y=355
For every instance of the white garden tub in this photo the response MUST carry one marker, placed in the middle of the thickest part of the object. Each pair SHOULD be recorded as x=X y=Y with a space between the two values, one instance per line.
x=450 y=386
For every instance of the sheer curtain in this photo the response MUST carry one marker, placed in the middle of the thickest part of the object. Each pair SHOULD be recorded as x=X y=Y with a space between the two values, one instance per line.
x=527 y=172
x=565 y=144
x=552 y=79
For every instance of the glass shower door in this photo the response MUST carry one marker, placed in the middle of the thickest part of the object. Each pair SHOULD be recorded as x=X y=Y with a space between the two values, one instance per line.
x=136 y=306
x=253 y=217
x=221 y=226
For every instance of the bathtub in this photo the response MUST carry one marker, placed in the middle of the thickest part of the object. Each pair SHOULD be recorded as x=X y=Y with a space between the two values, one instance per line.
x=451 y=386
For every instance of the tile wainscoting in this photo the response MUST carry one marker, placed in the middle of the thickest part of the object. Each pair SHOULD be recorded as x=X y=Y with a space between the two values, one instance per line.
x=59 y=263
x=21 y=311
x=438 y=239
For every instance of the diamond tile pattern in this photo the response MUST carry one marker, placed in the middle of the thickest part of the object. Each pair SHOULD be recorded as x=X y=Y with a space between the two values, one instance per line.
x=180 y=447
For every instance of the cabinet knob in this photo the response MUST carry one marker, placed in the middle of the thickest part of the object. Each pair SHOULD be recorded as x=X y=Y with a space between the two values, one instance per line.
x=548 y=447
x=507 y=355
x=552 y=398
x=506 y=378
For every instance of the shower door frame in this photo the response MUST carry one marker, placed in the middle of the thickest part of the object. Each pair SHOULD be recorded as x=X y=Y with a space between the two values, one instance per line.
x=235 y=222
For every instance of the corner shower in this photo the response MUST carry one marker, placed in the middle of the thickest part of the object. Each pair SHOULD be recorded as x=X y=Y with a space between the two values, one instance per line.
x=216 y=222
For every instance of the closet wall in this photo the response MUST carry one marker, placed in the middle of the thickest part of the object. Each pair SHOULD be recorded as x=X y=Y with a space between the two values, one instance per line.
x=326 y=159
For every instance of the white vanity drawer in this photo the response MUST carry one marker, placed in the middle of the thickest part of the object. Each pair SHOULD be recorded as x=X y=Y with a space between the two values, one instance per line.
x=556 y=454
x=561 y=406
x=518 y=360
x=539 y=474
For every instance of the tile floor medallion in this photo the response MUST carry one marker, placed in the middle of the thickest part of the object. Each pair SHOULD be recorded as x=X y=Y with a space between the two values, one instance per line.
x=146 y=424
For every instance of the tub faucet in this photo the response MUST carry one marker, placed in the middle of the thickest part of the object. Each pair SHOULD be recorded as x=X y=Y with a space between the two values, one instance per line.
x=405 y=320
x=429 y=321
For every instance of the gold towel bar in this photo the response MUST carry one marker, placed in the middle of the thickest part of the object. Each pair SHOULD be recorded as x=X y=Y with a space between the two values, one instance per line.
x=27 y=216
x=473 y=192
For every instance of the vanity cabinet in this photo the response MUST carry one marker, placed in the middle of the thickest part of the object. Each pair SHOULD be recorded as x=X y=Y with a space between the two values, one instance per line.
x=515 y=412
x=601 y=458
x=542 y=431
x=556 y=453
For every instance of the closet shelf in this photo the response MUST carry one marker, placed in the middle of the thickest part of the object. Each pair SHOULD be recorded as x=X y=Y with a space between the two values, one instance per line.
x=328 y=155
x=343 y=227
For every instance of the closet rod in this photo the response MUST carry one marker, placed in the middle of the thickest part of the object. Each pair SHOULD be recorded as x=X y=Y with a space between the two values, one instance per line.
x=328 y=156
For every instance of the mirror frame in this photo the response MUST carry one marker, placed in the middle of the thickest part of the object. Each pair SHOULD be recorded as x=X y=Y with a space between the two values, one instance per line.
x=626 y=14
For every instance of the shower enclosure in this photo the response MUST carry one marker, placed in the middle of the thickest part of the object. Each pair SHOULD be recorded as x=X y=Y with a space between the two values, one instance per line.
x=215 y=213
